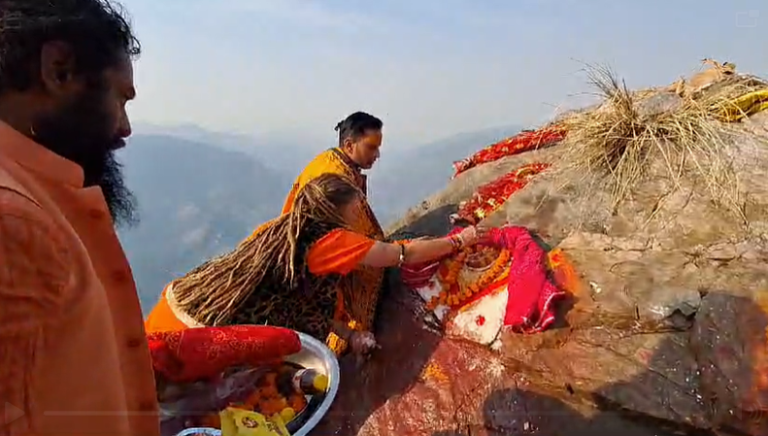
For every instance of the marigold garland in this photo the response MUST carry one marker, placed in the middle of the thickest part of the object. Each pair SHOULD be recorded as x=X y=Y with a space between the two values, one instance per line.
x=491 y=196
x=522 y=142
x=452 y=293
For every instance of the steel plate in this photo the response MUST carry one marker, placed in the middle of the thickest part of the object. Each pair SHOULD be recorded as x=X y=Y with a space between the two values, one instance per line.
x=316 y=355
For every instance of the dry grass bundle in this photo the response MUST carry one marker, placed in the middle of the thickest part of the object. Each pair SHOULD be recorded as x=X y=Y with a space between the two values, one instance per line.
x=620 y=139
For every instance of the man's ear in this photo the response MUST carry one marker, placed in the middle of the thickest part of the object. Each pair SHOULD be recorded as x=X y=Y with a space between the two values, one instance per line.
x=57 y=67
x=347 y=144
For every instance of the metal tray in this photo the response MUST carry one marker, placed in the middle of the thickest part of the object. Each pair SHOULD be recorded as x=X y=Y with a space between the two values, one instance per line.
x=315 y=355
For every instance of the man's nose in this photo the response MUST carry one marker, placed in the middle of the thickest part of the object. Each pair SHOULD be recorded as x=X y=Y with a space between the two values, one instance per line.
x=125 y=128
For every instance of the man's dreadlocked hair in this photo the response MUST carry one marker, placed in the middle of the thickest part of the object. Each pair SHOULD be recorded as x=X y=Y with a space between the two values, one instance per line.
x=212 y=292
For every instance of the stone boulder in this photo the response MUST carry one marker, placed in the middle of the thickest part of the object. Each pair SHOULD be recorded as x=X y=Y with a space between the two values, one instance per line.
x=665 y=335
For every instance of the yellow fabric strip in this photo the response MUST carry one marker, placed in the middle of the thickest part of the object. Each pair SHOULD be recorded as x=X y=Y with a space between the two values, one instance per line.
x=742 y=107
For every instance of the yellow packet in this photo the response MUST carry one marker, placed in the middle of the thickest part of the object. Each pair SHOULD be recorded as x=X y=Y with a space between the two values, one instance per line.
x=239 y=422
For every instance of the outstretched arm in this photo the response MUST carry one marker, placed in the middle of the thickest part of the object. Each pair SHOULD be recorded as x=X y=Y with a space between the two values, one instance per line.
x=384 y=254
x=342 y=251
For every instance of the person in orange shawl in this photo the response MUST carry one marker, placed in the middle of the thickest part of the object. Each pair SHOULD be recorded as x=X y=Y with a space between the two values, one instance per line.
x=360 y=138
x=293 y=272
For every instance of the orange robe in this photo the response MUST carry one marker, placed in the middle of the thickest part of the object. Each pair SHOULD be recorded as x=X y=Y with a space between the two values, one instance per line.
x=73 y=356
x=364 y=283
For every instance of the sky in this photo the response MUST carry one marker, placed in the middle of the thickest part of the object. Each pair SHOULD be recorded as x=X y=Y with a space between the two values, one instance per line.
x=428 y=68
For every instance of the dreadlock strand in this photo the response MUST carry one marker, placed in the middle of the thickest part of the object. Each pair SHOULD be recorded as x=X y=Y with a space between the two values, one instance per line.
x=296 y=223
x=213 y=292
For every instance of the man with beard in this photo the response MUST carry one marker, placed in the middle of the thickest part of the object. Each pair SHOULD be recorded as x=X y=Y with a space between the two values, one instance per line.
x=73 y=354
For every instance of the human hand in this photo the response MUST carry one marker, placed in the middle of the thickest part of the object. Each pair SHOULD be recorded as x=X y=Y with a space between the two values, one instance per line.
x=473 y=235
x=363 y=342
x=483 y=235
x=468 y=236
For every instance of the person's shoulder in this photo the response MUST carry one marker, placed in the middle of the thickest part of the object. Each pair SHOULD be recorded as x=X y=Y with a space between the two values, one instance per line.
x=17 y=196
x=28 y=232
x=37 y=266
x=322 y=156
x=327 y=153
x=323 y=163
x=321 y=160
x=17 y=204
x=10 y=184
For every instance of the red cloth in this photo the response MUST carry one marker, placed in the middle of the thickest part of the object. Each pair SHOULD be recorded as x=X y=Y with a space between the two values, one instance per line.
x=418 y=275
x=531 y=292
x=522 y=142
x=489 y=197
x=204 y=353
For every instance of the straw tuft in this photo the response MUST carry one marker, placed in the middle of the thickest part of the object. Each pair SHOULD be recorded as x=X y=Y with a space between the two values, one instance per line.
x=621 y=137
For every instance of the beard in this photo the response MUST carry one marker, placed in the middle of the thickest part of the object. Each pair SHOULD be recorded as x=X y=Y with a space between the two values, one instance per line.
x=81 y=131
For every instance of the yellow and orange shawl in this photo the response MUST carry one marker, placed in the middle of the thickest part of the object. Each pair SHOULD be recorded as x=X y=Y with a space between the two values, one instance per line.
x=364 y=283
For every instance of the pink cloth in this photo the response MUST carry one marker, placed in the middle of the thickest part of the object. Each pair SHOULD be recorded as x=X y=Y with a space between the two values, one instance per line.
x=531 y=292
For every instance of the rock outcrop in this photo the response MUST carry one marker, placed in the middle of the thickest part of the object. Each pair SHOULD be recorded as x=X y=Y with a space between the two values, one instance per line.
x=667 y=334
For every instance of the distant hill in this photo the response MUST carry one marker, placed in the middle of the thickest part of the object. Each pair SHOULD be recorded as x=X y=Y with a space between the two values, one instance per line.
x=282 y=151
x=201 y=192
x=196 y=200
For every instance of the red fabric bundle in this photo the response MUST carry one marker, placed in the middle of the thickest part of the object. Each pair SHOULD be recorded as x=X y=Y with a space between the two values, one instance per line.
x=490 y=197
x=416 y=276
x=531 y=293
x=204 y=353
x=522 y=142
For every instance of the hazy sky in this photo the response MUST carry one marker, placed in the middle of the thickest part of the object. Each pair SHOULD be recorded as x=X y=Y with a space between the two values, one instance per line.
x=429 y=68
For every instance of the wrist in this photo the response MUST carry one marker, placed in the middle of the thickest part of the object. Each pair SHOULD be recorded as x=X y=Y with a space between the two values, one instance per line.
x=457 y=242
x=401 y=254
